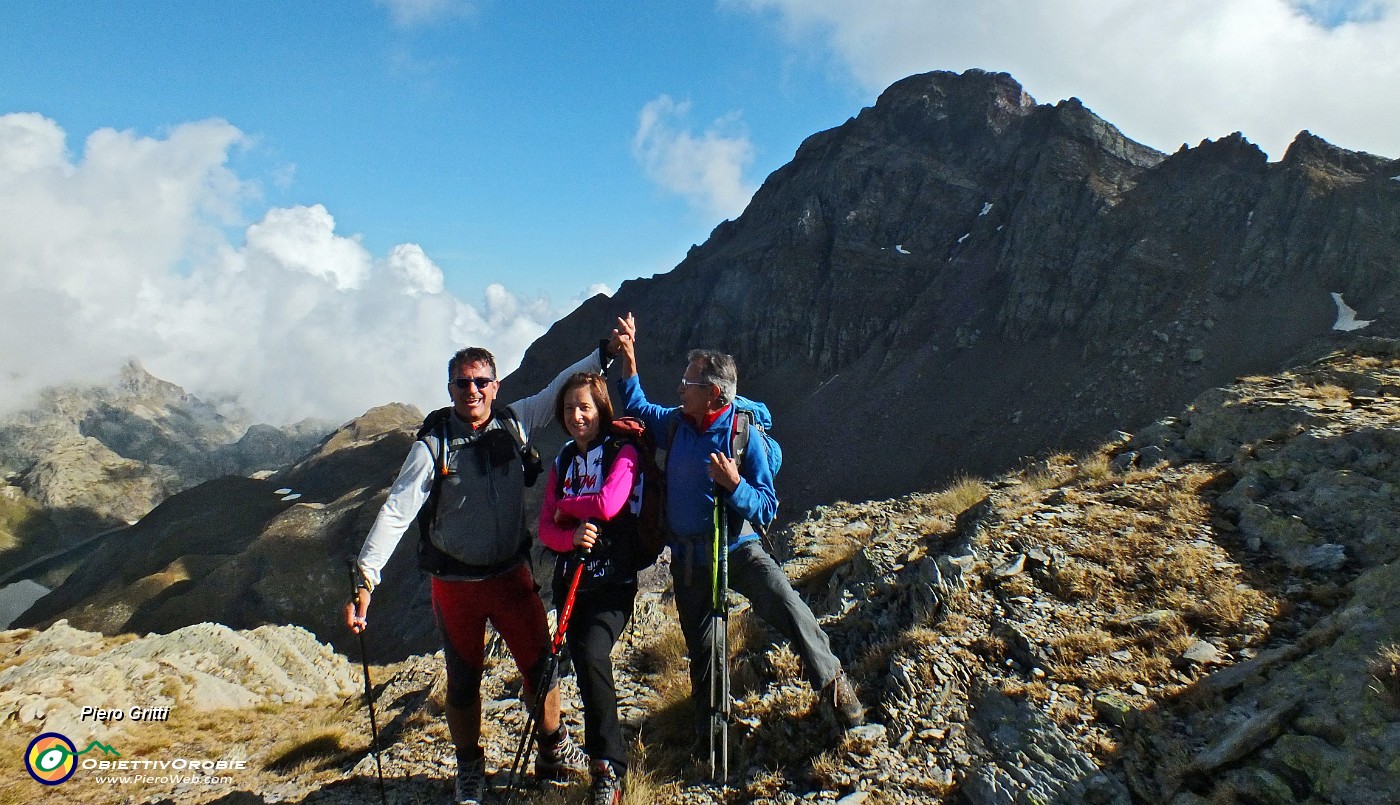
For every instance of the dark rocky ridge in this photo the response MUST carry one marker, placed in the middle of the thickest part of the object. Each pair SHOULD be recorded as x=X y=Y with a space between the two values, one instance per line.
x=959 y=277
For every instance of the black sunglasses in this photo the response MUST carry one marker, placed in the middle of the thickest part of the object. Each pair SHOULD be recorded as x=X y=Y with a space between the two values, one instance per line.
x=467 y=382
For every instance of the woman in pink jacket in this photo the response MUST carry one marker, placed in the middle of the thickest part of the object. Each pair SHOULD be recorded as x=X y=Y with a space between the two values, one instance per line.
x=590 y=516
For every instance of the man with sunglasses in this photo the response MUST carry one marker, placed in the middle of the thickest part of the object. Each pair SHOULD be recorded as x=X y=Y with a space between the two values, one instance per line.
x=698 y=437
x=468 y=467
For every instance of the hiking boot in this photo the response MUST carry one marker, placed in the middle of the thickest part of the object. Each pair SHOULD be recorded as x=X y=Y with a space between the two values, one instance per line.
x=841 y=697
x=470 y=788
x=559 y=757
x=607 y=784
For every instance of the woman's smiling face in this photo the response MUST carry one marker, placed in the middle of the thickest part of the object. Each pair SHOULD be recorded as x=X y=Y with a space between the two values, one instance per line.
x=581 y=415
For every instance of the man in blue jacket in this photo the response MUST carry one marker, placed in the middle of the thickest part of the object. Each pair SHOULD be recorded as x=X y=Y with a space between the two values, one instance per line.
x=697 y=436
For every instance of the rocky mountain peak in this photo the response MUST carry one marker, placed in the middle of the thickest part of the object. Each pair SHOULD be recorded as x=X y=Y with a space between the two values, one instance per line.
x=1307 y=149
x=134 y=380
x=930 y=101
x=979 y=267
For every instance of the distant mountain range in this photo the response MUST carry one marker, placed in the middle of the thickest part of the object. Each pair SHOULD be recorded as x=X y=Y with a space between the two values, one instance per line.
x=84 y=459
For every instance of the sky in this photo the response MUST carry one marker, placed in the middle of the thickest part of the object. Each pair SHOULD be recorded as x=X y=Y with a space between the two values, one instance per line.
x=310 y=206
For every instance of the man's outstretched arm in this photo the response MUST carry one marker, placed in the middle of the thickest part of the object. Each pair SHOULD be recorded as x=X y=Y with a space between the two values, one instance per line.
x=537 y=410
x=629 y=384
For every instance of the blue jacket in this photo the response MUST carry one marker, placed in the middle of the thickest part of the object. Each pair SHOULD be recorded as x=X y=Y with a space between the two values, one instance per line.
x=690 y=501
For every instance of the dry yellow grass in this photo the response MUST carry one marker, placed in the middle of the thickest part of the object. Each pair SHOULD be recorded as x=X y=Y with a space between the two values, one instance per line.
x=1053 y=471
x=786 y=665
x=1093 y=468
x=1385 y=670
x=830 y=557
x=1133 y=544
x=1078 y=582
x=664 y=652
x=763 y=785
x=669 y=728
x=1073 y=649
x=1032 y=690
x=311 y=749
x=1020 y=584
x=959 y=496
x=1325 y=391
x=826 y=768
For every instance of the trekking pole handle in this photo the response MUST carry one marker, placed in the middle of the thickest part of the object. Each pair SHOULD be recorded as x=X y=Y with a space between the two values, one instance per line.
x=358 y=622
x=598 y=529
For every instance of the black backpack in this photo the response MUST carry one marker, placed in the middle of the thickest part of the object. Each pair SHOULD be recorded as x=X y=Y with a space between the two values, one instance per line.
x=430 y=557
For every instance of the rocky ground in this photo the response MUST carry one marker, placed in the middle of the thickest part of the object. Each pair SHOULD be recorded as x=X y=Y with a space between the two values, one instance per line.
x=1199 y=612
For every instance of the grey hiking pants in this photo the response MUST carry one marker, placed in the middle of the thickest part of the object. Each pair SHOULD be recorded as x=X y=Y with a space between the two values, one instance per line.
x=754 y=575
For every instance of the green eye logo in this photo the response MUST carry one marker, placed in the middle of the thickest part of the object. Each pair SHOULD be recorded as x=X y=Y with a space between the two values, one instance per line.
x=51 y=758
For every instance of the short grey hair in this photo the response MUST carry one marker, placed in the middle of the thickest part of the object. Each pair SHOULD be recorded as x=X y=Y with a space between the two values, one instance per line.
x=470 y=355
x=717 y=369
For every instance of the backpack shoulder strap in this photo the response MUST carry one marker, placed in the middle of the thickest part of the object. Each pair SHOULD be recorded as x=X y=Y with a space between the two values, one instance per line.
x=436 y=430
x=434 y=422
x=565 y=457
x=511 y=423
x=612 y=445
x=739 y=435
x=529 y=456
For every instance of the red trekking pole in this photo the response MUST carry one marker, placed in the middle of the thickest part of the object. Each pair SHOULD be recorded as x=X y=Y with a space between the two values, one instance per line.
x=522 y=750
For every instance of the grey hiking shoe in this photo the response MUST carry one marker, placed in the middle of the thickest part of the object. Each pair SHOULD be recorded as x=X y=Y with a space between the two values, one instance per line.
x=840 y=695
x=607 y=784
x=470 y=788
x=559 y=757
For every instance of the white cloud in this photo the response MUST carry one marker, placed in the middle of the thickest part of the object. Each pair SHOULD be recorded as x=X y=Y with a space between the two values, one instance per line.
x=590 y=292
x=1164 y=73
x=303 y=239
x=34 y=143
x=411 y=13
x=418 y=273
x=707 y=170
x=121 y=252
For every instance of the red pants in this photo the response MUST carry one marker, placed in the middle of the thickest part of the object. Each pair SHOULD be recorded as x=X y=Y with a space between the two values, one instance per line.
x=510 y=602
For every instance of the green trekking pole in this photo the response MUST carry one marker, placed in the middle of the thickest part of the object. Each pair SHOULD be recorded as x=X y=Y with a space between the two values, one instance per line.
x=719 y=645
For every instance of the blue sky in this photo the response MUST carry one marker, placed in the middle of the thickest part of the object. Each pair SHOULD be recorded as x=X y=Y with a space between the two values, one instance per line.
x=256 y=198
x=498 y=138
